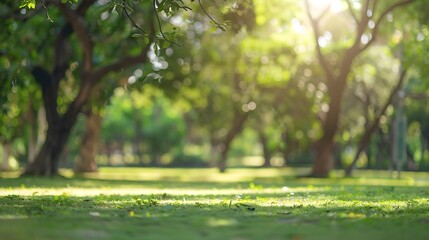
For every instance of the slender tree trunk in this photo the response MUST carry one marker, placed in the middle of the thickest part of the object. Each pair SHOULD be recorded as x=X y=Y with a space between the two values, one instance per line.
x=214 y=152
x=424 y=144
x=265 y=149
x=374 y=126
x=89 y=144
x=237 y=127
x=285 y=150
x=5 y=166
x=138 y=138
x=223 y=157
x=32 y=133
x=41 y=120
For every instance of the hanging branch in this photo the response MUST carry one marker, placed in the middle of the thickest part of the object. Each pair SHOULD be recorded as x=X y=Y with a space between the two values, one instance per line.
x=47 y=13
x=220 y=26
x=160 y=26
x=134 y=22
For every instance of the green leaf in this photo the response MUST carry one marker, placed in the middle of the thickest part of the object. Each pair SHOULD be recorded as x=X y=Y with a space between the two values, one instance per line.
x=166 y=44
x=30 y=4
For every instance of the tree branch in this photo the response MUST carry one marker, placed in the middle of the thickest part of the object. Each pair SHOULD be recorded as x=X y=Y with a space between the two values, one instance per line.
x=374 y=31
x=31 y=13
x=350 y=7
x=78 y=25
x=160 y=26
x=208 y=15
x=316 y=32
x=142 y=58
x=134 y=22
x=120 y=64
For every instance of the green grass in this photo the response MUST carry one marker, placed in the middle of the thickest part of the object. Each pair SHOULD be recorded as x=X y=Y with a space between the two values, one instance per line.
x=133 y=203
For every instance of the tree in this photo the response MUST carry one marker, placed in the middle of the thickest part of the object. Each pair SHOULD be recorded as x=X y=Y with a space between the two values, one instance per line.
x=366 y=18
x=96 y=61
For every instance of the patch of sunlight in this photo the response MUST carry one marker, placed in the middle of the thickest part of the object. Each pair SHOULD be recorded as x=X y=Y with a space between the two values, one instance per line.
x=352 y=215
x=221 y=222
x=9 y=217
x=366 y=181
x=71 y=191
x=193 y=174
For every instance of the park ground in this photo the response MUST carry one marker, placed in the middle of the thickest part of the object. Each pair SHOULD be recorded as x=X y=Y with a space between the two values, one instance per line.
x=154 y=203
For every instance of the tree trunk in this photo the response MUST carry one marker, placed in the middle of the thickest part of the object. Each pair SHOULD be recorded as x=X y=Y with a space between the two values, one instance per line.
x=287 y=146
x=138 y=138
x=89 y=145
x=5 y=166
x=265 y=149
x=223 y=158
x=324 y=147
x=47 y=160
x=32 y=134
x=214 y=152
x=237 y=127
x=324 y=158
x=59 y=128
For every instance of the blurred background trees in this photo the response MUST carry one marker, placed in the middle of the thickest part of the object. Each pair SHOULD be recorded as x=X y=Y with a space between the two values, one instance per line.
x=289 y=83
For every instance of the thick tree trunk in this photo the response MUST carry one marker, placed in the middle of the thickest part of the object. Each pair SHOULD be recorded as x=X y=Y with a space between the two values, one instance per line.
x=47 y=160
x=89 y=145
x=59 y=127
x=324 y=158
x=5 y=166
x=324 y=147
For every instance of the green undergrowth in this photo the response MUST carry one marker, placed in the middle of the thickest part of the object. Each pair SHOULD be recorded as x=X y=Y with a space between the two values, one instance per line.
x=203 y=204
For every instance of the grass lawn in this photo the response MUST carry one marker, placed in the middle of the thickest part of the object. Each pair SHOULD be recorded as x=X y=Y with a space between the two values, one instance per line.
x=135 y=203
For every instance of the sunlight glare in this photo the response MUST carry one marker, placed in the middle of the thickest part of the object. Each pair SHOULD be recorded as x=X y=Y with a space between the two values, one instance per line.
x=318 y=6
